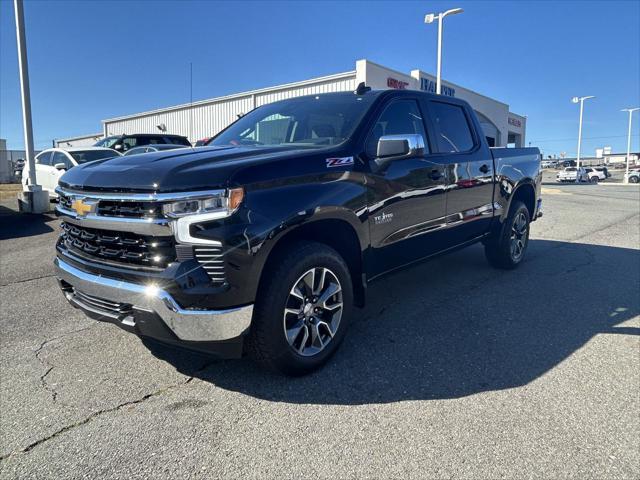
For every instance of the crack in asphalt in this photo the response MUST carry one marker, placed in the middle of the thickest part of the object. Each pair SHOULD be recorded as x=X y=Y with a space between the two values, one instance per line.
x=17 y=282
x=43 y=377
x=98 y=413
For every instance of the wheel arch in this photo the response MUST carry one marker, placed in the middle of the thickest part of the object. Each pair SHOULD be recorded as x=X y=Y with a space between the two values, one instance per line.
x=338 y=234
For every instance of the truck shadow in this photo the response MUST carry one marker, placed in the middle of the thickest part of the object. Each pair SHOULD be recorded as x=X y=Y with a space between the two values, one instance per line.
x=454 y=327
x=18 y=225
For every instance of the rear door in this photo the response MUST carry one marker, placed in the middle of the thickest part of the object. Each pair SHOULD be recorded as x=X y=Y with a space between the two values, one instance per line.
x=407 y=198
x=42 y=162
x=469 y=170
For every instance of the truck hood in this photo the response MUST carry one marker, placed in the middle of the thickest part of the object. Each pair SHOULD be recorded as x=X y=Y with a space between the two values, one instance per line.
x=184 y=169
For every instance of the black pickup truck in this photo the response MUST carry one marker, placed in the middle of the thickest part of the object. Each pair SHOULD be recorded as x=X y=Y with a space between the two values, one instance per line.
x=264 y=240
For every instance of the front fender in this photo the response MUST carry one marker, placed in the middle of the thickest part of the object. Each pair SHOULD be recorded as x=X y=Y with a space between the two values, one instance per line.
x=269 y=214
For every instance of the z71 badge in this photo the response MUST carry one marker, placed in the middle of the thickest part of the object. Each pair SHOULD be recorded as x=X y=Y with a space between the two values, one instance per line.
x=339 y=162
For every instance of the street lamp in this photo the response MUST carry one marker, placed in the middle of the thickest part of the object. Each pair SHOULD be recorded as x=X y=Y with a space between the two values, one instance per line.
x=630 y=110
x=429 y=18
x=581 y=101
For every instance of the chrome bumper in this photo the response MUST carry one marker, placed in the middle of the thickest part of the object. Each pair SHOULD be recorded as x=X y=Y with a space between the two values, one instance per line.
x=188 y=325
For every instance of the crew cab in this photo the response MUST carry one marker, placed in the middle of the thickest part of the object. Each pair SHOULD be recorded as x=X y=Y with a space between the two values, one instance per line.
x=263 y=240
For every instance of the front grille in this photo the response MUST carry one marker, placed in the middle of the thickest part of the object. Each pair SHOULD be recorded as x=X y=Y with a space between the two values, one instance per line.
x=122 y=247
x=212 y=260
x=117 y=208
x=65 y=202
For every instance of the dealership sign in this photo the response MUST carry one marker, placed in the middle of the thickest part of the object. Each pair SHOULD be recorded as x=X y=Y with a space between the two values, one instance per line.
x=430 y=86
x=397 y=84
x=515 y=122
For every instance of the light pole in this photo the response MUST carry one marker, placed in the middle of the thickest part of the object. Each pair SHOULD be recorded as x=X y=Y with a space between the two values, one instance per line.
x=35 y=200
x=630 y=110
x=429 y=18
x=581 y=101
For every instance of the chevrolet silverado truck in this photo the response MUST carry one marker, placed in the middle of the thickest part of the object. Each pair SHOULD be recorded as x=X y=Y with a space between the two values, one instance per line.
x=265 y=239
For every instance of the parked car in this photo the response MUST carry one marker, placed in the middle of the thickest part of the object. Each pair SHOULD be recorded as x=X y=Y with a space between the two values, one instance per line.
x=152 y=148
x=603 y=169
x=569 y=174
x=568 y=163
x=52 y=163
x=18 y=167
x=548 y=163
x=595 y=175
x=122 y=143
x=266 y=241
x=633 y=176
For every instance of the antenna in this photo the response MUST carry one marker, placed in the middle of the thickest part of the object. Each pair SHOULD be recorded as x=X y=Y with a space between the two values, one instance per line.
x=362 y=89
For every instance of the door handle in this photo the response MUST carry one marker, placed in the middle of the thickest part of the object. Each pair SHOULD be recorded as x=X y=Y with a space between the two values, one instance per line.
x=435 y=174
x=484 y=168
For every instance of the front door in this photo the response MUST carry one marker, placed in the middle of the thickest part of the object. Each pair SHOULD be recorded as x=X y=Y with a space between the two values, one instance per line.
x=469 y=171
x=407 y=198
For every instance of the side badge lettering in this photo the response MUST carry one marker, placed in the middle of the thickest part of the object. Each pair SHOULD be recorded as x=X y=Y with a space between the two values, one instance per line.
x=383 y=218
x=339 y=162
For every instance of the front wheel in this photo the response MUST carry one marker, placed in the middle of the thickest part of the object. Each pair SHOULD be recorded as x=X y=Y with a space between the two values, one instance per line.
x=634 y=179
x=302 y=310
x=506 y=248
x=594 y=180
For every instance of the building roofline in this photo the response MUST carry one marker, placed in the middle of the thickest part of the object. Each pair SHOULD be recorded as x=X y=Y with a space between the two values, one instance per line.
x=301 y=83
x=78 y=137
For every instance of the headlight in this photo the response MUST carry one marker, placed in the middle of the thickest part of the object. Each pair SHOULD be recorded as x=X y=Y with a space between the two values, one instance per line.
x=224 y=202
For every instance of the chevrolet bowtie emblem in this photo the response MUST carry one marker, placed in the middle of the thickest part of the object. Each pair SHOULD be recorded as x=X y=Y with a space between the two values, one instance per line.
x=82 y=208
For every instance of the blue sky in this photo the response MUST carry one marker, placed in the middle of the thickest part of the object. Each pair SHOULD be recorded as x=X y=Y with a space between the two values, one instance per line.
x=91 y=60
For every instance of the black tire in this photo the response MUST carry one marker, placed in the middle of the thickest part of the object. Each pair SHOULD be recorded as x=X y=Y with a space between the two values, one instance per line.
x=594 y=180
x=267 y=341
x=499 y=247
x=634 y=179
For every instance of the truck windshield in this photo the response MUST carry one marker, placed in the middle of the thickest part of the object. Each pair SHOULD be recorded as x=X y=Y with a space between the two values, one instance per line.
x=314 y=121
x=107 y=142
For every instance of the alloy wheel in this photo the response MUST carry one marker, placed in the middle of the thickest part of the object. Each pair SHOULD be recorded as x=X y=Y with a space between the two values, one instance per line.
x=313 y=311
x=519 y=235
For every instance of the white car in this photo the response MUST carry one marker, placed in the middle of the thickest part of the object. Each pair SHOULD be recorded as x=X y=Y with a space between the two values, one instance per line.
x=633 y=177
x=569 y=175
x=595 y=175
x=52 y=163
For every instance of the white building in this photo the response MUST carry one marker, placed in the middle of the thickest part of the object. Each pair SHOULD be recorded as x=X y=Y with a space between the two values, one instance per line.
x=205 y=118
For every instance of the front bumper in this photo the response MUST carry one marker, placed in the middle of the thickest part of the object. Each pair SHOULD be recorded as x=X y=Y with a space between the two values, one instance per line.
x=131 y=306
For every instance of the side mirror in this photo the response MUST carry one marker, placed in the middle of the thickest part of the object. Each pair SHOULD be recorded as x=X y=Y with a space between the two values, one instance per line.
x=395 y=147
x=119 y=146
x=60 y=166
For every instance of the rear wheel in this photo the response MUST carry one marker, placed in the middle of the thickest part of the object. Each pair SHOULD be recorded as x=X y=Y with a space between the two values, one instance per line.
x=634 y=179
x=594 y=179
x=303 y=309
x=506 y=248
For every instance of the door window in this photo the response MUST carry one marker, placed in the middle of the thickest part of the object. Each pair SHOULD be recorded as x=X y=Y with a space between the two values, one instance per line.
x=44 y=158
x=453 y=132
x=59 y=157
x=401 y=117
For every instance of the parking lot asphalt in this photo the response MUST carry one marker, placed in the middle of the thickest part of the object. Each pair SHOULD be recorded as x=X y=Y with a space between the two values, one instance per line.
x=452 y=370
